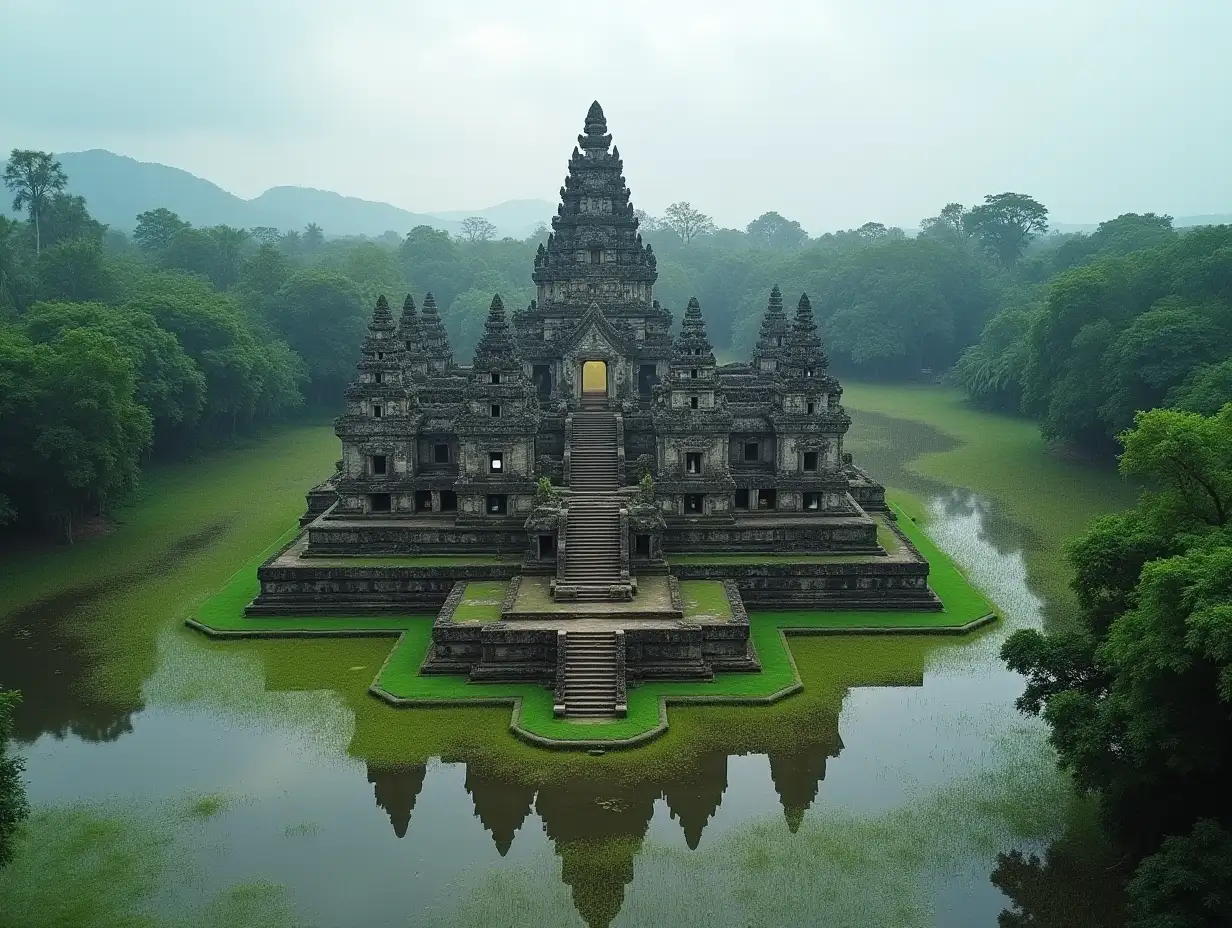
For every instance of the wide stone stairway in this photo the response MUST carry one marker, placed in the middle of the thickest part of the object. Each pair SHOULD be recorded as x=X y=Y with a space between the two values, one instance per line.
x=590 y=686
x=592 y=533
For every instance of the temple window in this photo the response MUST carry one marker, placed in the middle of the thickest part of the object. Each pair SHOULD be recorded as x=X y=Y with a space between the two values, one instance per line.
x=596 y=256
x=810 y=460
x=547 y=546
x=752 y=451
x=377 y=410
x=449 y=501
x=692 y=402
x=496 y=462
x=496 y=377
x=378 y=377
x=694 y=503
x=496 y=411
x=766 y=499
x=693 y=462
x=408 y=344
x=380 y=356
x=810 y=408
x=742 y=498
x=440 y=454
x=423 y=500
x=812 y=501
x=379 y=464
x=693 y=374
x=808 y=372
x=641 y=546
x=379 y=502
x=498 y=504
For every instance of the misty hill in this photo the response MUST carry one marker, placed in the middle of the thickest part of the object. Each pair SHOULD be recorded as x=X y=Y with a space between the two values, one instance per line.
x=117 y=188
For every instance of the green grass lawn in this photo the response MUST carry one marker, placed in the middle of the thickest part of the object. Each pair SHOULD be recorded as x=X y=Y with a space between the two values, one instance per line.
x=481 y=601
x=400 y=677
x=705 y=599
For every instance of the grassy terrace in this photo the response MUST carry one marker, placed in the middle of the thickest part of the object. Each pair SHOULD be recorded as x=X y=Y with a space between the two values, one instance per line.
x=705 y=601
x=400 y=680
x=481 y=601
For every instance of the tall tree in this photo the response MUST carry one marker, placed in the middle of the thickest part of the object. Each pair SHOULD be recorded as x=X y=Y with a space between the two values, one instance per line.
x=1005 y=223
x=13 y=806
x=949 y=223
x=265 y=235
x=34 y=177
x=477 y=229
x=156 y=228
x=772 y=230
x=687 y=222
x=313 y=237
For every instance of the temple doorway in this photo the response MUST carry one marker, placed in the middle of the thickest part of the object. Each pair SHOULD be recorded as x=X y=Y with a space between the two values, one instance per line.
x=594 y=378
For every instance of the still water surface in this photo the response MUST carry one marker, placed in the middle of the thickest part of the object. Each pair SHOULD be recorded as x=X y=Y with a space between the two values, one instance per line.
x=862 y=817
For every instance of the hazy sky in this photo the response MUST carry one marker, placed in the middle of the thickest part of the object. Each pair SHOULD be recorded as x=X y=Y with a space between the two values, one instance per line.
x=833 y=112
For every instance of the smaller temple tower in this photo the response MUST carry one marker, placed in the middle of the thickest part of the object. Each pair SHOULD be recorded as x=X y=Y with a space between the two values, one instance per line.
x=771 y=350
x=496 y=430
x=692 y=425
x=410 y=337
x=380 y=416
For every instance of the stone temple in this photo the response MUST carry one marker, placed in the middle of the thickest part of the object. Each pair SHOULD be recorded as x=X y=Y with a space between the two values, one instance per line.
x=594 y=490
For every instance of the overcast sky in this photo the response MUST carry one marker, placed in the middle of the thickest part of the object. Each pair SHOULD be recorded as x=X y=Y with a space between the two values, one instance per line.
x=834 y=112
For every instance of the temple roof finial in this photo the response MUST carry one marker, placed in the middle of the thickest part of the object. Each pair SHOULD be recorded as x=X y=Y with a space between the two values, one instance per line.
x=382 y=318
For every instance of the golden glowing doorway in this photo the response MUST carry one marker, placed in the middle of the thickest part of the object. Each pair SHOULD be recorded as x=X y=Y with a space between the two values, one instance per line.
x=594 y=377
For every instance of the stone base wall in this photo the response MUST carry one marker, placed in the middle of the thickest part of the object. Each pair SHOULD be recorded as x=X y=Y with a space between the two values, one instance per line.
x=893 y=585
x=327 y=538
x=803 y=534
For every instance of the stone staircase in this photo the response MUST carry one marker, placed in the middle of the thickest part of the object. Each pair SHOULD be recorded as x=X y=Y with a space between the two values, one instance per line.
x=591 y=683
x=592 y=533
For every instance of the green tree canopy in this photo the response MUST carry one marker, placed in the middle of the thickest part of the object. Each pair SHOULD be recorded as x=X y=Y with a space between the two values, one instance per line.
x=13 y=805
x=1005 y=223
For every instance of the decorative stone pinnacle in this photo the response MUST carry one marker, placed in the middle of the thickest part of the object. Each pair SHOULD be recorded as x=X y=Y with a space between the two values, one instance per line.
x=382 y=318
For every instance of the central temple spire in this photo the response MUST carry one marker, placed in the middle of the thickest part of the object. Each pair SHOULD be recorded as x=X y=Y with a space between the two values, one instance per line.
x=595 y=134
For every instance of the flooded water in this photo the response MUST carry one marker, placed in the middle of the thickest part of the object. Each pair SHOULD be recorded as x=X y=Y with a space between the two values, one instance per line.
x=882 y=795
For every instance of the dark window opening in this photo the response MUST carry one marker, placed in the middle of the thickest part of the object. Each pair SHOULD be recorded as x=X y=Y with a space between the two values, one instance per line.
x=596 y=255
x=423 y=500
x=812 y=501
x=810 y=408
x=379 y=465
x=409 y=344
x=378 y=377
x=496 y=376
x=547 y=546
x=496 y=462
x=496 y=410
x=694 y=503
x=693 y=374
x=742 y=499
x=766 y=499
x=810 y=460
x=449 y=501
x=380 y=356
x=440 y=454
x=641 y=546
x=379 y=502
x=377 y=411
x=692 y=402
x=693 y=462
x=752 y=451
x=542 y=375
x=645 y=379
x=498 y=504
x=808 y=372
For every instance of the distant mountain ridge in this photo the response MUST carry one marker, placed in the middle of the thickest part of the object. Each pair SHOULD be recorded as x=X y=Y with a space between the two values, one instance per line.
x=117 y=188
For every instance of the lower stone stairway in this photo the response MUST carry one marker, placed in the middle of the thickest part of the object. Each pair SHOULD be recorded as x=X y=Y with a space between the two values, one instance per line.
x=590 y=687
x=592 y=533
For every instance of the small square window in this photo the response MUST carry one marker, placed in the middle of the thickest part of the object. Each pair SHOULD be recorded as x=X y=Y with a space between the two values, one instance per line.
x=377 y=410
x=812 y=502
x=496 y=462
x=808 y=372
x=423 y=500
x=692 y=402
x=767 y=499
x=379 y=465
x=379 y=502
x=693 y=462
x=496 y=376
x=547 y=546
x=409 y=344
x=440 y=454
x=498 y=504
x=380 y=356
x=496 y=410
x=596 y=256
x=378 y=377
x=810 y=460
x=810 y=408
x=694 y=503
x=641 y=546
x=693 y=374
x=752 y=451
x=742 y=498
x=449 y=501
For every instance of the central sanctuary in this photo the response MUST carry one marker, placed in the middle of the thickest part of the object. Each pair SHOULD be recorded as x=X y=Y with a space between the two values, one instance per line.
x=594 y=499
